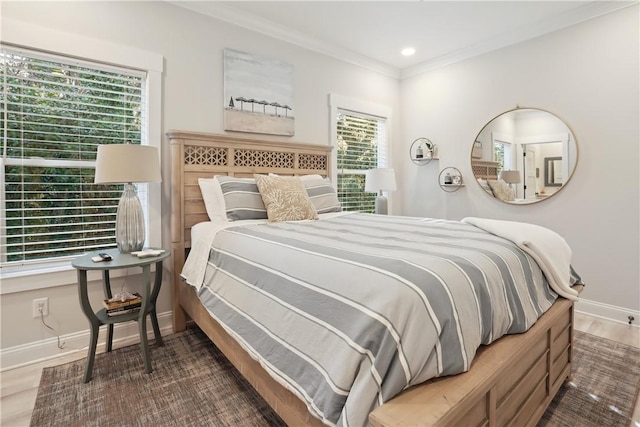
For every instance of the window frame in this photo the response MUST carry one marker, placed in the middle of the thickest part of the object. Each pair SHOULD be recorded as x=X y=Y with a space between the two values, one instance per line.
x=508 y=150
x=19 y=166
x=21 y=35
x=343 y=103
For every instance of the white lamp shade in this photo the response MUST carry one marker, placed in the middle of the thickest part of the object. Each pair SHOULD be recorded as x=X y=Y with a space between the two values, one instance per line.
x=120 y=163
x=510 y=177
x=380 y=179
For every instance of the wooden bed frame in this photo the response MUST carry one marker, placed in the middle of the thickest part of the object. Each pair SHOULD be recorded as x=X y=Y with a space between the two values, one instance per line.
x=511 y=382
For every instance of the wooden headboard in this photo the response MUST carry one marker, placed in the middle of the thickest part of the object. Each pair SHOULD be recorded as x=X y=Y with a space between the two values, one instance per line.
x=202 y=155
x=485 y=169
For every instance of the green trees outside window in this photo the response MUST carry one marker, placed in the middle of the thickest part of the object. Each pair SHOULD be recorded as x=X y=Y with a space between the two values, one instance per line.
x=358 y=150
x=498 y=155
x=55 y=113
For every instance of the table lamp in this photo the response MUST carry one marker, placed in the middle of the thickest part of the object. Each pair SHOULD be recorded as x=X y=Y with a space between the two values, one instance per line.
x=510 y=177
x=127 y=164
x=377 y=181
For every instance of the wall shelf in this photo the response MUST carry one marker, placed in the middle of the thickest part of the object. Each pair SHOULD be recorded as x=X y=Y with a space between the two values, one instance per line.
x=450 y=174
x=423 y=160
x=424 y=147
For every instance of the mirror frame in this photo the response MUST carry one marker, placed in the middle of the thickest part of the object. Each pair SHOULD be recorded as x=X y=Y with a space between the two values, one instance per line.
x=477 y=162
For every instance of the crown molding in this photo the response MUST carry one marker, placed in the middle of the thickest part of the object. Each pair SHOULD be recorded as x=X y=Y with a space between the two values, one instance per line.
x=264 y=26
x=258 y=24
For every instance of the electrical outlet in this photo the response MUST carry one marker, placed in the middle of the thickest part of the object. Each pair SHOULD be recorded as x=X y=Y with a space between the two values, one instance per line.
x=40 y=304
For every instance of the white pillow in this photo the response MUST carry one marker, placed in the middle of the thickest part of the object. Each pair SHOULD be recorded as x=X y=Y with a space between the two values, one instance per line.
x=308 y=177
x=213 y=198
x=302 y=177
x=485 y=185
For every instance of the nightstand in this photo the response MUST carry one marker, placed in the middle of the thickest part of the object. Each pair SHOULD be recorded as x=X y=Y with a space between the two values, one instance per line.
x=149 y=296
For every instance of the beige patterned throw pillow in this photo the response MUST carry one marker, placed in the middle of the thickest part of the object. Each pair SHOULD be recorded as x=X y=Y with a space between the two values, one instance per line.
x=501 y=190
x=285 y=198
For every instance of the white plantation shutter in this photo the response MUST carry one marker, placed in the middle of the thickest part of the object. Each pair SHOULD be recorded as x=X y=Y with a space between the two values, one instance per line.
x=55 y=112
x=361 y=145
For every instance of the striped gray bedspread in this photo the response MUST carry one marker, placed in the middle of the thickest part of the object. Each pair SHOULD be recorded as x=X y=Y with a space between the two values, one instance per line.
x=349 y=311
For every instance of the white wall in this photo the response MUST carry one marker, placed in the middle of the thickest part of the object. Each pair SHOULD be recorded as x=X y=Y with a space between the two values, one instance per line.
x=192 y=46
x=588 y=76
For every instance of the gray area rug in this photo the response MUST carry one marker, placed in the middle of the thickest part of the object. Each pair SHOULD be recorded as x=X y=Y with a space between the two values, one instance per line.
x=194 y=385
x=604 y=389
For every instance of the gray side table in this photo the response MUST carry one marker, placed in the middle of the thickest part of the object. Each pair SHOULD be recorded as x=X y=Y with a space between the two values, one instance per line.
x=149 y=296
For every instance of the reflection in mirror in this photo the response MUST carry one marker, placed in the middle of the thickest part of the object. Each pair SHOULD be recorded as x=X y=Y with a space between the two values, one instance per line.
x=553 y=171
x=524 y=156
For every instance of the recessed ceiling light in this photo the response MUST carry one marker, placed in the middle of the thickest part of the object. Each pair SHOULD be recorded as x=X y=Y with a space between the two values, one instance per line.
x=408 y=51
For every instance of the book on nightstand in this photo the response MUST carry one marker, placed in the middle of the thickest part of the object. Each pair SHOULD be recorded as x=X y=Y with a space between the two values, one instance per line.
x=117 y=306
x=114 y=303
x=124 y=310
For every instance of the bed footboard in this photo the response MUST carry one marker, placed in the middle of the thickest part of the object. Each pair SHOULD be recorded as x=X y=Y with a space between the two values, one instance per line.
x=510 y=382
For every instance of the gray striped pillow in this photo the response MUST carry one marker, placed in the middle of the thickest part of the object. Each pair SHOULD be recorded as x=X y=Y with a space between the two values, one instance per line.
x=322 y=195
x=241 y=198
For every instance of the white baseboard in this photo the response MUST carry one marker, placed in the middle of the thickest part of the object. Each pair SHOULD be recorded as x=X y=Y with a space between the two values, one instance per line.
x=127 y=334
x=608 y=312
x=123 y=334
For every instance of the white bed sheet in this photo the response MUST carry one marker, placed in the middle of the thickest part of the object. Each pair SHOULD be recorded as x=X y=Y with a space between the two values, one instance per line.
x=549 y=249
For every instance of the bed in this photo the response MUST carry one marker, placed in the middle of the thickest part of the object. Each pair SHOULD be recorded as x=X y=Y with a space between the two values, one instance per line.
x=510 y=382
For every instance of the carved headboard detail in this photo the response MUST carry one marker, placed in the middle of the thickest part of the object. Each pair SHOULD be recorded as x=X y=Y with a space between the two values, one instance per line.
x=200 y=155
x=485 y=169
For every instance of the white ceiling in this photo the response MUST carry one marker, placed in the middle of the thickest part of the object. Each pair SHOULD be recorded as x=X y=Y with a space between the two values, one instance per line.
x=372 y=33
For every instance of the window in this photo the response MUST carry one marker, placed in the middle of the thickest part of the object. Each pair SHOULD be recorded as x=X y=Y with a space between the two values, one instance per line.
x=55 y=112
x=502 y=155
x=498 y=155
x=502 y=151
x=361 y=144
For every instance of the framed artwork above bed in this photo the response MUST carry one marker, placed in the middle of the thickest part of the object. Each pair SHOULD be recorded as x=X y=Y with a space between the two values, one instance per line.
x=258 y=94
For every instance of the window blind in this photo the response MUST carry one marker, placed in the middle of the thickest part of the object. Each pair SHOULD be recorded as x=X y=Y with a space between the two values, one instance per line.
x=362 y=145
x=55 y=113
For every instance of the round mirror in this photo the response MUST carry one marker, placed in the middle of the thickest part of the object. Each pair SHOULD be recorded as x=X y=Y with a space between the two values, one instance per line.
x=524 y=156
